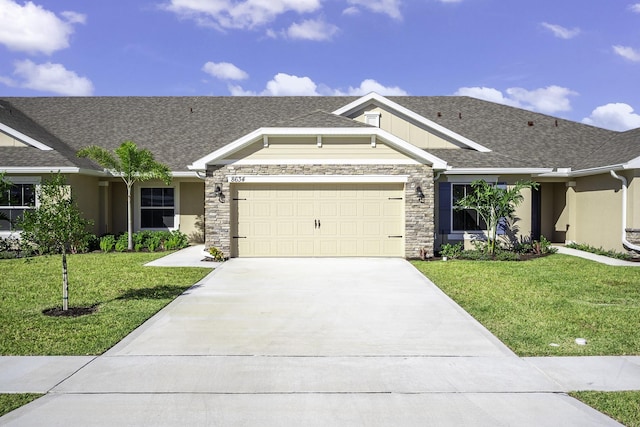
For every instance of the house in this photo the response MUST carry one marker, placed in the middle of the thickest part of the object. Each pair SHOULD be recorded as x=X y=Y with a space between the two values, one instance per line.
x=327 y=176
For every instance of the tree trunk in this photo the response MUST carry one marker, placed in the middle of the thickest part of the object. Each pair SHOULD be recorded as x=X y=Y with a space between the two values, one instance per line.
x=65 y=282
x=129 y=219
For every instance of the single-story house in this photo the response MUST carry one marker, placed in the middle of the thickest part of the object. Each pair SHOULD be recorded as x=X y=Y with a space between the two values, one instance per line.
x=327 y=176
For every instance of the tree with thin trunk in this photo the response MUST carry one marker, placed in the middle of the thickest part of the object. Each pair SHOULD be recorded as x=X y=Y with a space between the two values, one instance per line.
x=132 y=164
x=56 y=225
x=493 y=203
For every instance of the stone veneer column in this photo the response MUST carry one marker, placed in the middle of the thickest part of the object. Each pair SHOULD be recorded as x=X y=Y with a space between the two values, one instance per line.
x=419 y=217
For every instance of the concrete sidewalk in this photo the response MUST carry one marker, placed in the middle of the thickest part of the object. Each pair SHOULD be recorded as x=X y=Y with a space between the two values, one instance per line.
x=316 y=342
x=597 y=258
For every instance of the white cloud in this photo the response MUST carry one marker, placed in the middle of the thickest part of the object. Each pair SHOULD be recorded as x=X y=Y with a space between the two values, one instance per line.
x=386 y=7
x=351 y=10
x=247 y=14
x=284 y=84
x=635 y=7
x=31 y=28
x=549 y=100
x=627 y=52
x=224 y=71
x=312 y=29
x=288 y=85
x=487 y=94
x=370 y=85
x=50 y=77
x=614 y=116
x=560 y=31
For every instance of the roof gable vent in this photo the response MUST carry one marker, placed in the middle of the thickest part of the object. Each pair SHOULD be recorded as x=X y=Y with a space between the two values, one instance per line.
x=372 y=118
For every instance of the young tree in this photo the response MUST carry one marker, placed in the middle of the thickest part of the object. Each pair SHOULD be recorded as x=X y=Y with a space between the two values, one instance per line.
x=55 y=225
x=131 y=164
x=493 y=203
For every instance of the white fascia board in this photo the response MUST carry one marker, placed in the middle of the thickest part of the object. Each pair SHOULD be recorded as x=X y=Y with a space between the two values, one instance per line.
x=402 y=145
x=374 y=97
x=598 y=170
x=184 y=174
x=52 y=169
x=499 y=171
x=633 y=163
x=24 y=138
x=244 y=162
x=320 y=178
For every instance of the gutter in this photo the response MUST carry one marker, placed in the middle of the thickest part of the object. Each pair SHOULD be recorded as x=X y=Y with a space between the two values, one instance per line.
x=625 y=242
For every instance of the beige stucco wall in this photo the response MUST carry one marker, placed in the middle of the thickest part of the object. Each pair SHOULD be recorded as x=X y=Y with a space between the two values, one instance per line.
x=596 y=217
x=192 y=210
x=86 y=194
x=403 y=128
x=288 y=148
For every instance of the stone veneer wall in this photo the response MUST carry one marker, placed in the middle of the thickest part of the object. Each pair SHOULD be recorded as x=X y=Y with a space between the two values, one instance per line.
x=419 y=217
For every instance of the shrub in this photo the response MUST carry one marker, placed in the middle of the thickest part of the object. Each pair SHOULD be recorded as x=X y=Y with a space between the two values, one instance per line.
x=600 y=251
x=107 y=243
x=122 y=244
x=545 y=246
x=216 y=253
x=176 y=240
x=451 y=251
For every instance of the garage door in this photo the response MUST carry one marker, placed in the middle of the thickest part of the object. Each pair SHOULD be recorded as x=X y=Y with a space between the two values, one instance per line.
x=318 y=220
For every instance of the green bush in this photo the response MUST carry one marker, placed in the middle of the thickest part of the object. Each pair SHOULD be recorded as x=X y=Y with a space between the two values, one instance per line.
x=122 y=244
x=176 y=240
x=216 y=253
x=451 y=251
x=107 y=243
x=600 y=251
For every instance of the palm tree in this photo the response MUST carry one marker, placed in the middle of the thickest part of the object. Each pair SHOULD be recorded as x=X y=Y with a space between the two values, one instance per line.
x=132 y=165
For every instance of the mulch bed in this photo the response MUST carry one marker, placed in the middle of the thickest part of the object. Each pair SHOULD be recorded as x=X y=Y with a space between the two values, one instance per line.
x=71 y=312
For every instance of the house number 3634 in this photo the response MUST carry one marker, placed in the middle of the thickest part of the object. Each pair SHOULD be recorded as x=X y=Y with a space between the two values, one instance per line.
x=236 y=179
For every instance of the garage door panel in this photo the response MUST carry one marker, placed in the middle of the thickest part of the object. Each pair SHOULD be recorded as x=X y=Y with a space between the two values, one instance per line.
x=354 y=219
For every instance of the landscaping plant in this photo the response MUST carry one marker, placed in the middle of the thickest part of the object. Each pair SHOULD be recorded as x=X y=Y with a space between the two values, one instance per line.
x=493 y=203
x=55 y=225
x=132 y=165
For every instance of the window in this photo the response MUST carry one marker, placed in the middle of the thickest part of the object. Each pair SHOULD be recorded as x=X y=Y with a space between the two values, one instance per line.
x=157 y=208
x=465 y=219
x=13 y=203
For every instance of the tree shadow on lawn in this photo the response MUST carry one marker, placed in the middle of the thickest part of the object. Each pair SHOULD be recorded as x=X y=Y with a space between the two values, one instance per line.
x=156 y=292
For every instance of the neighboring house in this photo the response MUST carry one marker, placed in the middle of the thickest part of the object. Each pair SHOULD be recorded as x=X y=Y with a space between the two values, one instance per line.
x=327 y=176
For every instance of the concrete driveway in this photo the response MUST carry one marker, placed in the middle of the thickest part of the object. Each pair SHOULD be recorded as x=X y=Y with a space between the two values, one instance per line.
x=312 y=341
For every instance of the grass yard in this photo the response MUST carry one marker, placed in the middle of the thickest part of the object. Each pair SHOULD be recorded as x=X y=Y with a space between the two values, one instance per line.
x=9 y=402
x=126 y=294
x=530 y=305
x=623 y=406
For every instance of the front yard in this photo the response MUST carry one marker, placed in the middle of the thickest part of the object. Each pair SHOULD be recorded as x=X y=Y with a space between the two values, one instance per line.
x=124 y=292
x=539 y=308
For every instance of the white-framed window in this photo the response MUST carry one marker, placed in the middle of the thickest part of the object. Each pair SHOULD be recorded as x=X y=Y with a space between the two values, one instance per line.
x=464 y=219
x=157 y=207
x=19 y=197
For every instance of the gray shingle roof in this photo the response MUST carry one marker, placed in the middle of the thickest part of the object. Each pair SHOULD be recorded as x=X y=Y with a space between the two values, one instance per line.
x=180 y=130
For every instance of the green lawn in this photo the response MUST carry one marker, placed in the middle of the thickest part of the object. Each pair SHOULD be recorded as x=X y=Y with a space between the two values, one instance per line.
x=623 y=406
x=530 y=305
x=9 y=402
x=126 y=294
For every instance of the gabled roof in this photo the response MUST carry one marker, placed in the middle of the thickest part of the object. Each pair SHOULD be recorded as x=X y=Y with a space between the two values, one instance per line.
x=179 y=130
x=44 y=151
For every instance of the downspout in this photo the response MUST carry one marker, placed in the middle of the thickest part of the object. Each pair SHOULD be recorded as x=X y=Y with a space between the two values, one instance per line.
x=625 y=242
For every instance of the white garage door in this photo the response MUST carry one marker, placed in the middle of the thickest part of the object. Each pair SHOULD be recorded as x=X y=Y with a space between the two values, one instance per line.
x=318 y=220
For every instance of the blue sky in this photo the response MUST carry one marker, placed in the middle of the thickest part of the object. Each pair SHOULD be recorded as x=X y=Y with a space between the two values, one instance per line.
x=568 y=58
